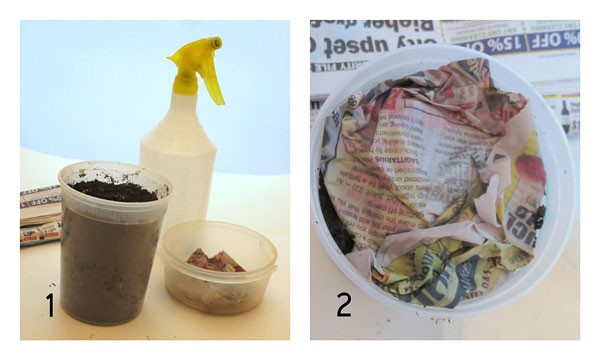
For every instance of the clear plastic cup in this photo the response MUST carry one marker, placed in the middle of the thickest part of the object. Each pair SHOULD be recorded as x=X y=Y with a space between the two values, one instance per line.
x=213 y=291
x=108 y=247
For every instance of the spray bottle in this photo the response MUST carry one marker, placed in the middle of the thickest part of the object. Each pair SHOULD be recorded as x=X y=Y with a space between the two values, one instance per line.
x=178 y=147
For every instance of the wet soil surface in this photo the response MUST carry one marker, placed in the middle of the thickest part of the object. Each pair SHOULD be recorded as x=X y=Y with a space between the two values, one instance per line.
x=126 y=192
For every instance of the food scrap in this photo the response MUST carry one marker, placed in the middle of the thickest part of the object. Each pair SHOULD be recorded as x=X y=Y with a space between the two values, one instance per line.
x=220 y=262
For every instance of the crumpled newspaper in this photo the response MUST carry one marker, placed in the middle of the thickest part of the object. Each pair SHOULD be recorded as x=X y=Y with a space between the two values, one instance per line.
x=438 y=179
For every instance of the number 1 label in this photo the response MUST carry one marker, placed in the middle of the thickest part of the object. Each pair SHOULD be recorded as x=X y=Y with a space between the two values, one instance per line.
x=50 y=298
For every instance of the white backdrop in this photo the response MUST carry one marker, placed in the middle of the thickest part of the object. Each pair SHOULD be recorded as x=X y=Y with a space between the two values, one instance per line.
x=91 y=89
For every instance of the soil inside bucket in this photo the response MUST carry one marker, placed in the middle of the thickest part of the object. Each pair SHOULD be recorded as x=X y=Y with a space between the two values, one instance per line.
x=126 y=192
x=338 y=231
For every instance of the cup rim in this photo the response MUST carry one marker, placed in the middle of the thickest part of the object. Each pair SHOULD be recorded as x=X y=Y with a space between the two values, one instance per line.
x=117 y=205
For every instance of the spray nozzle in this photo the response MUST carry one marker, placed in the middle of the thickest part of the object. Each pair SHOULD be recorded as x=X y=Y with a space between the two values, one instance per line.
x=195 y=57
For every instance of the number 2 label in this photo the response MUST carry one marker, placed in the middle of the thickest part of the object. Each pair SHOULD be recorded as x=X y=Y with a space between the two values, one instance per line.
x=348 y=299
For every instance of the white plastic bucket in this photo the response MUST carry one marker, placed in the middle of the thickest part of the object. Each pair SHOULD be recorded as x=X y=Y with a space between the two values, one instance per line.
x=554 y=149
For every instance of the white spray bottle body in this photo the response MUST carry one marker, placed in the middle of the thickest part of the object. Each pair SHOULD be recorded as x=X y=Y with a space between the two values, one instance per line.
x=179 y=149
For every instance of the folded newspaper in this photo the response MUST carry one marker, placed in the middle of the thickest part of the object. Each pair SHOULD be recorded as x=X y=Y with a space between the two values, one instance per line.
x=433 y=184
x=40 y=215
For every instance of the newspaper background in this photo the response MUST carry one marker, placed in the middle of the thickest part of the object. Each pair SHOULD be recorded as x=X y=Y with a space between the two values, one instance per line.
x=544 y=52
x=40 y=206
x=40 y=215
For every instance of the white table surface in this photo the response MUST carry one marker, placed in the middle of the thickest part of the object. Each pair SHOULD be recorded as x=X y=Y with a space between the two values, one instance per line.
x=261 y=203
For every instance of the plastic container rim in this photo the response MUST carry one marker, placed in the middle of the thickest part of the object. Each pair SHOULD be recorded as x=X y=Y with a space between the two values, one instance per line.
x=116 y=205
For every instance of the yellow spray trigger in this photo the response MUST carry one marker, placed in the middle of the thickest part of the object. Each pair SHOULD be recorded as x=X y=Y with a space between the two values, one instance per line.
x=197 y=57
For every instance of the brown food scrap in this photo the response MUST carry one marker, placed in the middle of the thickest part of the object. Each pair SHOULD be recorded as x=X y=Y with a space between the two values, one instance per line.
x=220 y=262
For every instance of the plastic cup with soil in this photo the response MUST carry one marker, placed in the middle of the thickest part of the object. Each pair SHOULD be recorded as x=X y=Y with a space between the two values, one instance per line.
x=112 y=215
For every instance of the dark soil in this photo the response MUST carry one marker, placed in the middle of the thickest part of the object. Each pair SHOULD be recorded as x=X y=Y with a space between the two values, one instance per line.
x=338 y=231
x=538 y=217
x=126 y=192
x=105 y=267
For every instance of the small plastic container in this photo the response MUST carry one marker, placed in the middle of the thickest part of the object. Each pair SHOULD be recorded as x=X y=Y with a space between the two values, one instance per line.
x=213 y=291
x=108 y=247
x=560 y=187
